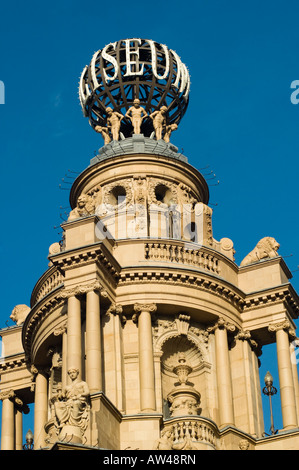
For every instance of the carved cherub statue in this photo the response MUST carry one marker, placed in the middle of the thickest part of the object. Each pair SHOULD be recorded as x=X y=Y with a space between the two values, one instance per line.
x=136 y=114
x=104 y=131
x=85 y=206
x=113 y=122
x=168 y=130
x=159 y=121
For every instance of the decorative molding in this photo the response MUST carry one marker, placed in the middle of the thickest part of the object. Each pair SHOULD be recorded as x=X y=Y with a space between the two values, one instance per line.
x=80 y=290
x=116 y=309
x=139 y=308
x=189 y=280
x=7 y=394
x=284 y=325
x=222 y=324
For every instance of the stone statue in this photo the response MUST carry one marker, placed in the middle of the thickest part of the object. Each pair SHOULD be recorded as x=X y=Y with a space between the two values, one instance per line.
x=165 y=442
x=168 y=130
x=104 y=131
x=19 y=314
x=85 y=206
x=266 y=248
x=71 y=405
x=159 y=121
x=136 y=114
x=113 y=122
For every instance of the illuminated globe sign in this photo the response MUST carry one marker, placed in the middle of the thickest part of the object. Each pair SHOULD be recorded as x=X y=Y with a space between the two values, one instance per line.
x=131 y=78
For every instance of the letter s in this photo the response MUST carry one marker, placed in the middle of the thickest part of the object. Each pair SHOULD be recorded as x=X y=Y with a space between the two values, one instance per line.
x=294 y=99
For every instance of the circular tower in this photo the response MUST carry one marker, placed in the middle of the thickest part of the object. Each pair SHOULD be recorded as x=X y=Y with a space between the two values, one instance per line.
x=144 y=333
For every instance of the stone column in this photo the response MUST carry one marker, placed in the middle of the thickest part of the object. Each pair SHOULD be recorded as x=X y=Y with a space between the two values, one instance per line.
x=294 y=361
x=93 y=342
x=74 y=340
x=146 y=357
x=223 y=374
x=8 y=420
x=287 y=391
x=61 y=331
x=20 y=408
x=40 y=409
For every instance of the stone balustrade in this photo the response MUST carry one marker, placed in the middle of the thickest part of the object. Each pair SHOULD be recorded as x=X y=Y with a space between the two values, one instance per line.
x=51 y=279
x=193 y=432
x=178 y=252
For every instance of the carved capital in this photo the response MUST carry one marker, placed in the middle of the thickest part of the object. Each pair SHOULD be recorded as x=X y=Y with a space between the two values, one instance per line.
x=60 y=330
x=151 y=308
x=245 y=335
x=116 y=309
x=284 y=325
x=79 y=290
x=222 y=324
x=139 y=308
x=7 y=394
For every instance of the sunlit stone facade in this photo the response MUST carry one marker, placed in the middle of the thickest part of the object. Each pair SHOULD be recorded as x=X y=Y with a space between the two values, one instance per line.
x=144 y=333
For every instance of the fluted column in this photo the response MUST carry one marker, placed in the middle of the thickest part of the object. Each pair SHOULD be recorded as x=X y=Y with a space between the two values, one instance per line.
x=146 y=356
x=8 y=420
x=223 y=373
x=40 y=409
x=74 y=340
x=93 y=341
x=286 y=384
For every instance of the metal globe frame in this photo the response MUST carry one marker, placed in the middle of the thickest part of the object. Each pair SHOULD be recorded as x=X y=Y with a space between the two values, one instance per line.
x=107 y=82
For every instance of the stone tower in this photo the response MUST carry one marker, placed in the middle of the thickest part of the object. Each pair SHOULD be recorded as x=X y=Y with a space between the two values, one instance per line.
x=144 y=333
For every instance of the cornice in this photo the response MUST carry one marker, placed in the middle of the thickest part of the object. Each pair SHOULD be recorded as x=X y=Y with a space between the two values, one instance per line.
x=81 y=256
x=198 y=280
x=284 y=293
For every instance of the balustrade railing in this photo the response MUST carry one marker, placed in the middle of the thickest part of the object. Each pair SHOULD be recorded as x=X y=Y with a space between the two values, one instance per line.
x=179 y=253
x=194 y=432
x=51 y=279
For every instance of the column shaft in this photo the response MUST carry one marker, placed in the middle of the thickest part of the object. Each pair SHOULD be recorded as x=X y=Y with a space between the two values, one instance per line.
x=40 y=410
x=93 y=342
x=146 y=362
x=74 y=344
x=18 y=429
x=225 y=399
x=8 y=425
x=287 y=392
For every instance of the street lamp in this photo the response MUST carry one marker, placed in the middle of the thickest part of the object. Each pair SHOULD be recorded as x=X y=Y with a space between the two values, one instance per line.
x=269 y=390
x=29 y=441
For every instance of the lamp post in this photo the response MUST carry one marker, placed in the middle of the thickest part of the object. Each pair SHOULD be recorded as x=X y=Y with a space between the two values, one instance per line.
x=269 y=390
x=29 y=441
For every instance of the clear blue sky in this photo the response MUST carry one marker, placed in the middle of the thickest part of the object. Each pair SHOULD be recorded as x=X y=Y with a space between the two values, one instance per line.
x=242 y=57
